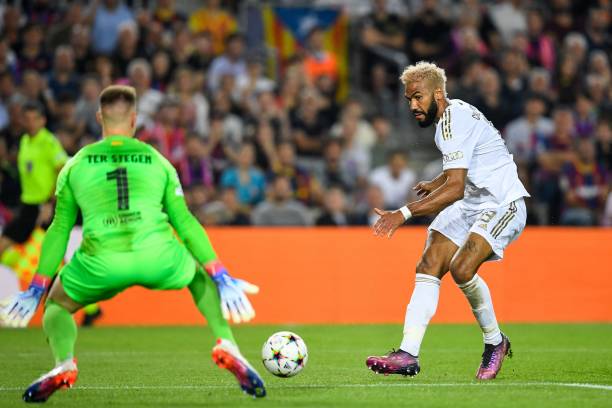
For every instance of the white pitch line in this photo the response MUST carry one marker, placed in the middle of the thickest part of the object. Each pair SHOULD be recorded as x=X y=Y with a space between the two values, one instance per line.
x=322 y=386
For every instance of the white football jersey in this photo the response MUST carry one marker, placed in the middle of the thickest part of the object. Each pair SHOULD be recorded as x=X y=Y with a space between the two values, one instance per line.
x=469 y=141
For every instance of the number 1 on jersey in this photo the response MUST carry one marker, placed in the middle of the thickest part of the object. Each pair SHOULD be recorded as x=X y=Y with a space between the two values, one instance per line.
x=123 y=193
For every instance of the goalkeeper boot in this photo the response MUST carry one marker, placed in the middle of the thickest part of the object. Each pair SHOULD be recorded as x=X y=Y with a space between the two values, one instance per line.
x=64 y=375
x=492 y=359
x=226 y=355
x=396 y=362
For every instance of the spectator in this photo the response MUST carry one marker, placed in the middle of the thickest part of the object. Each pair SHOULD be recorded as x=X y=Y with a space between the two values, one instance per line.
x=219 y=23
x=529 y=134
x=575 y=45
x=33 y=89
x=428 y=35
x=60 y=32
x=489 y=100
x=383 y=100
x=584 y=185
x=541 y=49
x=8 y=59
x=252 y=84
x=305 y=187
x=127 y=46
x=231 y=63
x=226 y=211
x=197 y=166
x=161 y=71
x=248 y=181
x=334 y=172
x=107 y=17
x=380 y=28
x=597 y=29
x=232 y=127
x=203 y=52
x=184 y=87
x=32 y=55
x=509 y=18
x=585 y=116
x=139 y=72
x=80 y=41
x=319 y=62
x=364 y=134
x=63 y=79
x=379 y=152
x=87 y=105
x=167 y=15
x=513 y=69
x=308 y=128
x=165 y=134
x=373 y=199
x=603 y=144
x=394 y=179
x=567 y=82
x=335 y=213
x=551 y=156
x=280 y=209
x=539 y=83
x=355 y=157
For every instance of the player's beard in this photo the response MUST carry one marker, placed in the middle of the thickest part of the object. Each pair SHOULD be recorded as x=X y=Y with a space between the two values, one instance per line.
x=430 y=115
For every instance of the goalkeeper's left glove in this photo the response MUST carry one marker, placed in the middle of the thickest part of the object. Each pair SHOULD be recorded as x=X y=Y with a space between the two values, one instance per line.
x=17 y=311
x=232 y=291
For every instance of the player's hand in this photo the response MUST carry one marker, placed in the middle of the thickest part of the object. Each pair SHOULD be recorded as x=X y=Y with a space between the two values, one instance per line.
x=387 y=223
x=17 y=311
x=235 y=305
x=424 y=188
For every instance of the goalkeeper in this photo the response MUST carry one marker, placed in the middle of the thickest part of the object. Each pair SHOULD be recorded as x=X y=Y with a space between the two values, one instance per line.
x=129 y=195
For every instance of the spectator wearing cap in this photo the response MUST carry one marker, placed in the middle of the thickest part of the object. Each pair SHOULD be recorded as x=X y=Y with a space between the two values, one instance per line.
x=280 y=209
x=166 y=135
x=395 y=179
x=248 y=181
x=107 y=17
x=213 y=19
x=231 y=63
x=584 y=186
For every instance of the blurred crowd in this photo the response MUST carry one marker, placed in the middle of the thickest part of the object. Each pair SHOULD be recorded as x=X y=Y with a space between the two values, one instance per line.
x=255 y=151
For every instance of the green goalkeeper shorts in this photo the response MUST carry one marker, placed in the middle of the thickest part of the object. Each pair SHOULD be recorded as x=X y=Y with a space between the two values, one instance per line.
x=88 y=279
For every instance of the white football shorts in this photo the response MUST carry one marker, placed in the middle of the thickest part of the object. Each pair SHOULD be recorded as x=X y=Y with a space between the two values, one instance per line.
x=499 y=226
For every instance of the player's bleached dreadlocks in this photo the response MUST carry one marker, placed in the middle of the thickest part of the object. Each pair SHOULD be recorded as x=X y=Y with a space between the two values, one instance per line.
x=427 y=71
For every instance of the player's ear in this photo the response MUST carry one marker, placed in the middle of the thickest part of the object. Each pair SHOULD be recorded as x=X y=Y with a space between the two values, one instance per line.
x=99 y=117
x=438 y=94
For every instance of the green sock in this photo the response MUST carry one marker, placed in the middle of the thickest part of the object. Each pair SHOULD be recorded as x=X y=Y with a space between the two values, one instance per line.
x=61 y=331
x=206 y=297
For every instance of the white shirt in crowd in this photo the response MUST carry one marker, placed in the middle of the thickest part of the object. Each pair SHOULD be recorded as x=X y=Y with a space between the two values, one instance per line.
x=395 y=190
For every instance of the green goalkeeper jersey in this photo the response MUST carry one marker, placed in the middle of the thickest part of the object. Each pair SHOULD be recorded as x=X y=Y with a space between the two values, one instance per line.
x=129 y=195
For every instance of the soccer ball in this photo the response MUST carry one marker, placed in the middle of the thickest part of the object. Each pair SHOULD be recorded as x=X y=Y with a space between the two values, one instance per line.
x=284 y=354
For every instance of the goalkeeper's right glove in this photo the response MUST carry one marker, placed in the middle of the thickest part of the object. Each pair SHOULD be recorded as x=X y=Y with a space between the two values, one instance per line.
x=17 y=311
x=232 y=291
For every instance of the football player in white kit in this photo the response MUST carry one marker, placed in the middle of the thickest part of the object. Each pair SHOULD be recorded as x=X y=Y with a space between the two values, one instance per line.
x=479 y=201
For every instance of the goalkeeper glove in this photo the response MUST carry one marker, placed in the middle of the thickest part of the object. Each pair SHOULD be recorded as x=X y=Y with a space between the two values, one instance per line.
x=17 y=311
x=232 y=291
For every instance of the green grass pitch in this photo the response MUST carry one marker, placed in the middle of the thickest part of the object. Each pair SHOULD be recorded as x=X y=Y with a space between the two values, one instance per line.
x=553 y=365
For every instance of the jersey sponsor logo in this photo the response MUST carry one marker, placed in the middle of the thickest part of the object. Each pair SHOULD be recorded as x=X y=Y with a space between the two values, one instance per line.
x=115 y=220
x=452 y=156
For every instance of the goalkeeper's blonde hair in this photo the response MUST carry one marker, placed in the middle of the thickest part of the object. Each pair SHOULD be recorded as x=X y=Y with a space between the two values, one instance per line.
x=425 y=71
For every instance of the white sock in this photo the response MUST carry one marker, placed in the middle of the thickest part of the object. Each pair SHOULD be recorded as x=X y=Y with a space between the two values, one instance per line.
x=477 y=293
x=420 y=310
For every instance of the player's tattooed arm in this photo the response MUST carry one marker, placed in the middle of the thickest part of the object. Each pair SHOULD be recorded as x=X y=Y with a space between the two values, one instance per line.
x=450 y=190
